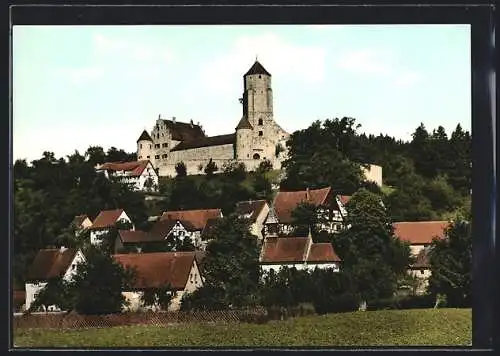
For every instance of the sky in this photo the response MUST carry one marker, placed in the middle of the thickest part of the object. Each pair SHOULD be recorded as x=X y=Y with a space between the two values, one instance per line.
x=77 y=86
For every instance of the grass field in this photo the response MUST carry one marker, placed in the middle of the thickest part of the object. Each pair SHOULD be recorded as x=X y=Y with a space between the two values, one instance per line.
x=438 y=327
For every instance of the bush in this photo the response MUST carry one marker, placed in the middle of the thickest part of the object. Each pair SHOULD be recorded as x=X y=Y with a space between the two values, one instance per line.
x=382 y=304
x=417 y=302
x=336 y=304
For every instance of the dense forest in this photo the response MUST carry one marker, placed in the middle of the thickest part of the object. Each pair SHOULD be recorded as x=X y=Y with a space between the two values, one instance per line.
x=426 y=178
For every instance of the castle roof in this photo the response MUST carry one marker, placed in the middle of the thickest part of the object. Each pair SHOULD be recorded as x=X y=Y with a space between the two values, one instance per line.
x=144 y=137
x=206 y=142
x=183 y=131
x=257 y=68
x=244 y=124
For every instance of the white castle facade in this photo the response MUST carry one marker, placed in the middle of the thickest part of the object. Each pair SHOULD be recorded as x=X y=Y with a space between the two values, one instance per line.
x=257 y=136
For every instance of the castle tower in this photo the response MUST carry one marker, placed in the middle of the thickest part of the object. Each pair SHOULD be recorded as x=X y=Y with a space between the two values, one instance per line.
x=258 y=95
x=144 y=146
x=244 y=133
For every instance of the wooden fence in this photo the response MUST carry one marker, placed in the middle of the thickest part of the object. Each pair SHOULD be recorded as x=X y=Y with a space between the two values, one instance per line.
x=76 y=321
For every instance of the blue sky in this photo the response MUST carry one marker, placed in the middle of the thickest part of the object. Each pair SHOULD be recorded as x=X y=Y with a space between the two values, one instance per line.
x=76 y=86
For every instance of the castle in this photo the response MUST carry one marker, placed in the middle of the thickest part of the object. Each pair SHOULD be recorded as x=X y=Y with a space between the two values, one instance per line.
x=257 y=136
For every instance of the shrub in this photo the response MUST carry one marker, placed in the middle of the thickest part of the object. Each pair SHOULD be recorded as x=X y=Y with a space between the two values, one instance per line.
x=382 y=304
x=346 y=302
x=417 y=301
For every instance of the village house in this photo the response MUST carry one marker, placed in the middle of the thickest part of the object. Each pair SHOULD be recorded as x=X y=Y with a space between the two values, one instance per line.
x=131 y=241
x=256 y=211
x=105 y=221
x=332 y=211
x=299 y=252
x=176 y=270
x=141 y=174
x=81 y=222
x=191 y=222
x=51 y=264
x=420 y=235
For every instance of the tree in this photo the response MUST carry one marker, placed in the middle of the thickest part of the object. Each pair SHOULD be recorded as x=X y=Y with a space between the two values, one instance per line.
x=451 y=264
x=56 y=292
x=264 y=167
x=370 y=252
x=98 y=284
x=231 y=266
x=210 y=169
x=95 y=155
x=180 y=169
x=158 y=297
x=304 y=218
x=235 y=171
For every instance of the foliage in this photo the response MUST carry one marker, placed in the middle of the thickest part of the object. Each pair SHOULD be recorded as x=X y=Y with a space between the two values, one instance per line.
x=180 y=169
x=56 y=292
x=211 y=168
x=451 y=264
x=98 y=284
x=370 y=252
x=161 y=297
x=231 y=268
x=264 y=167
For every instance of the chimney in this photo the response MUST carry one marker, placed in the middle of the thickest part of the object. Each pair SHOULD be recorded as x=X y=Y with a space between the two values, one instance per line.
x=173 y=119
x=308 y=196
x=62 y=249
x=159 y=116
x=191 y=122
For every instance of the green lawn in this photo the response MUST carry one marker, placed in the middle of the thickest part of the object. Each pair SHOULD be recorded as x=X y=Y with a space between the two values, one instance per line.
x=444 y=327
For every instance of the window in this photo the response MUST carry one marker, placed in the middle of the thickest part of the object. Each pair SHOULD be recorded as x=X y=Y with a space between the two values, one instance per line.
x=260 y=122
x=140 y=145
x=260 y=76
x=261 y=133
x=149 y=146
x=147 y=157
x=422 y=271
x=164 y=156
x=164 y=145
x=140 y=157
x=256 y=156
x=157 y=156
x=157 y=145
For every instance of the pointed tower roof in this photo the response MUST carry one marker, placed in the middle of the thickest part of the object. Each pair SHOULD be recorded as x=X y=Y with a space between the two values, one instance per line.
x=144 y=137
x=257 y=68
x=244 y=124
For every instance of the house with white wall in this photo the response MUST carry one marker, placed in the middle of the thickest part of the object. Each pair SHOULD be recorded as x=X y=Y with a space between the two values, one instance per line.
x=179 y=270
x=256 y=212
x=419 y=234
x=299 y=252
x=51 y=264
x=192 y=222
x=105 y=221
x=331 y=204
x=141 y=174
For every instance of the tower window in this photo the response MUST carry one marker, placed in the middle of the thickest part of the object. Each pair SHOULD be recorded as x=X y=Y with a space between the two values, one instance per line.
x=157 y=145
x=164 y=145
x=260 y=76
x=260 y=122
x=256 y=156
x=140 y=145
x=157 y=156
x=149 y=146
x=260 y=133
x=147 y=157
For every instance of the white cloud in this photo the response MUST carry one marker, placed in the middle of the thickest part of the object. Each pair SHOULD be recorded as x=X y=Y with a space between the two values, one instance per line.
x=131 y=49
x=366 y=61
x=279 y=57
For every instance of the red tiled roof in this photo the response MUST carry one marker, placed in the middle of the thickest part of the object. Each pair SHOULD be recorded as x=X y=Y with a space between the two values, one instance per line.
x=197 y=218
x=322 y=252
x=284 y=249
x=106 y=218
x=135 y=168
x=79 y=219
x=133 y=236
x=344 y=199
x=158 y=269
x=206 y=142
x=209 y=226
x=420 y=232
x=253 y=207
x=51 y=263
x=286 y=202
